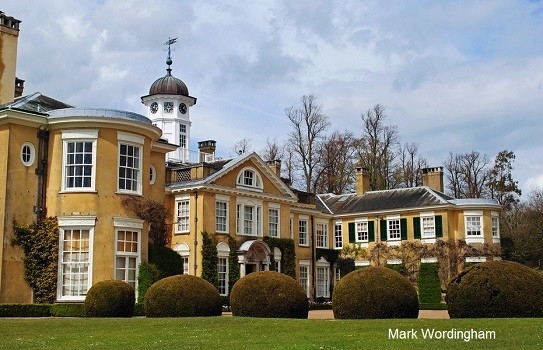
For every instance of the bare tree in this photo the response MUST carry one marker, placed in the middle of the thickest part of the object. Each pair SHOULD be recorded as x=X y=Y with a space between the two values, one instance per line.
x=408 y=171
x=467 y=175
x=337 y=167
x=242 y=146
x=273 y=150
x=309 y=124
x=377 y=148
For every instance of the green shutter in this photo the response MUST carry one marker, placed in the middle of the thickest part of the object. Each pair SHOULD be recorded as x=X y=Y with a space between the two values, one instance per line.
x=371 y=231
x=383 y=230
x=439 y=226
x=403 y=227
x=352 y=233
x=416 y=227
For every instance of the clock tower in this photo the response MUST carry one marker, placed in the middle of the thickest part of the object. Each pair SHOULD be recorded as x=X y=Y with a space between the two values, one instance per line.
x=168 y=106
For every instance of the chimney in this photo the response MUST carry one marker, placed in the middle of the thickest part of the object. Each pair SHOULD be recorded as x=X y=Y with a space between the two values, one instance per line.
x=275 y=166
x=362 y=181
x=433 y=178
x=207 y=148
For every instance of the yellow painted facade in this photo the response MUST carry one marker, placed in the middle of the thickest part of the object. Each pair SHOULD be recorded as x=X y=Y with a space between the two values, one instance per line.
x=9 y=34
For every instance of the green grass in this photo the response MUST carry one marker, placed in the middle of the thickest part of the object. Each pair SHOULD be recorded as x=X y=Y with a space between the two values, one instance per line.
x=250 y=333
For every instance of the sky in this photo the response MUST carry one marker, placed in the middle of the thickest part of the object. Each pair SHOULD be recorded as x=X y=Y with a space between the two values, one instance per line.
x=455 y=76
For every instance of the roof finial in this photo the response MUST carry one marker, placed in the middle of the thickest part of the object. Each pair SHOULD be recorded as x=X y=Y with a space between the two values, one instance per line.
x=169 y=59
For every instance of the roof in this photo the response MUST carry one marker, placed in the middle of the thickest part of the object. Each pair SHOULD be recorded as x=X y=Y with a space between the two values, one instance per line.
x=169 y=85
x=36 y=103
x=100 y=113
x=415 y=197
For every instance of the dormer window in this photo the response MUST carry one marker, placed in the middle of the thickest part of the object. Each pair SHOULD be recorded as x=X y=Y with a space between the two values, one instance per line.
x=249 y=179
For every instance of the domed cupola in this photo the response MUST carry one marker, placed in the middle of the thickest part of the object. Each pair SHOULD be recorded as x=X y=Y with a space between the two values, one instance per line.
x=168 y=105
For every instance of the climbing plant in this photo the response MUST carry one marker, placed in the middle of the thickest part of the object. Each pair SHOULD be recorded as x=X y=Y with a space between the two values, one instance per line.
x=154 y=213
x=288 y=254
x=40 y=245
x=209 y=259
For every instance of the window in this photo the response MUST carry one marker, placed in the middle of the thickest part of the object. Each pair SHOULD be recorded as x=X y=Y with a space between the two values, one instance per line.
x=273 y=218
x=277 y=259
x=127 y=256
x=183 y=215
x=495 y=227
x=338 y=236
x=394 y=231
x=79 y=160
x=291 y=226
x=302 y=232
x=75 y=257
x=428 y=227
x=223 y=252
x=362 y=233
x=152 y=174
x=304 y=276
x=322 y=235
x=249 y=218
x=249 y=179
x=474 y=226
x=183 y=135
x=221 y=216
x=183 y=250
x=130 y=162
x=337 y=274
x=323 y=278
x=28 y=154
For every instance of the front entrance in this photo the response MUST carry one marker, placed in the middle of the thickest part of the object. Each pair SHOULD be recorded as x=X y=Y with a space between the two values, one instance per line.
x=253 y=256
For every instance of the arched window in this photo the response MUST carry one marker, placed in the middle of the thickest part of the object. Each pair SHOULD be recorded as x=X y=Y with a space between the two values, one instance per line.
x=183 y=250
x=223 y=253
x=249 y=179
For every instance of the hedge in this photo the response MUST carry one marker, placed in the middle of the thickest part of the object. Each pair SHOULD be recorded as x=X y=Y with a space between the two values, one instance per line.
x=25 y=310
x=429 y=284
x=68 y=310
x=288 y=254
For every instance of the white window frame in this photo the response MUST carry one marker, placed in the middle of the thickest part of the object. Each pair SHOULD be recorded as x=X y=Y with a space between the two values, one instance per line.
x=277 y=258
x=137 y=142
x=182 y=215
x=322 y=279
x=251 y=183
x=222 y=227
x=469 y=220
x=184 y=250
x=71 y=223
x=274 y=228
x=427 y=225
x=304 y=275
x=74 y=136
x=31 y=153
x=338 y=235
x=223 y=255
x=495 y=222
x=152 y=174
x=303 y=236
x=134 y=226
x=322 y=234
x=362 y=230
x=256 y=225
x=394 y=224
x=291 y=226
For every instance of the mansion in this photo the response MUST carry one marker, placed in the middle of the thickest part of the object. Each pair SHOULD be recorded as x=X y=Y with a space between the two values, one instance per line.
x=78 y=164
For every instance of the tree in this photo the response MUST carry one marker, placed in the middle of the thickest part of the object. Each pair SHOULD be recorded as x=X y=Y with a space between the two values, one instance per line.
x=309 y=124
x=337 y=168
x=272 y=150
x=377 y=148
x=408 y=172
x=242 y=146
x=502 y=186
x=467 y=175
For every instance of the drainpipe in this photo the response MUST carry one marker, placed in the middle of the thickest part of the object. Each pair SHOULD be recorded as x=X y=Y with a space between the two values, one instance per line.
x=41 y=172
x=195 y=232
x=313 y=259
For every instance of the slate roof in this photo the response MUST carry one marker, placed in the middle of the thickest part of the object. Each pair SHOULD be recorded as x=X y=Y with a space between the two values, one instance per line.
x=404 y=198
x=36 y=103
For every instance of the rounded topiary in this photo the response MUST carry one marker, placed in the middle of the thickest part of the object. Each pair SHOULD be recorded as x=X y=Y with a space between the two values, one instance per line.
x=375 y=292
x=496 y=289
x=182 y=296
x=268 y=294
x=110 y=298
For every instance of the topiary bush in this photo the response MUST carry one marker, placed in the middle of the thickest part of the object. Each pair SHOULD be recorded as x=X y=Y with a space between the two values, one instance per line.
x=268 y=294
x=182 y=296
x=110 y=298
x=496 y=289
x=147 y=275
x=429 y=283
x=168 y=261
x=375 y=292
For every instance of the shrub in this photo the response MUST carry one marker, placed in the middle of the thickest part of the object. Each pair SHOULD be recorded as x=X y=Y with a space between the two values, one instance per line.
x=148 y=274
x=25 y=310
x=496 y=289
x=168 y=262
x=429 y=284
x=68 y=310
x=209 y=259
x=182 y=296
x=375 y=292
x=268 y=294
x=110 y=298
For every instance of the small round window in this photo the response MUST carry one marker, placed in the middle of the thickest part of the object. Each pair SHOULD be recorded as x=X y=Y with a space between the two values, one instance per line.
x=28 y=154
x=152 y=175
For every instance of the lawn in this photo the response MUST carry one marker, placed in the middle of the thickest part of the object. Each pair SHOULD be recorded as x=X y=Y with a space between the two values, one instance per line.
x=253 y=333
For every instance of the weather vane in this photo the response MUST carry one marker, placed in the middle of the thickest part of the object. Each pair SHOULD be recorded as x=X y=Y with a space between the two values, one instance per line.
x=169 y=59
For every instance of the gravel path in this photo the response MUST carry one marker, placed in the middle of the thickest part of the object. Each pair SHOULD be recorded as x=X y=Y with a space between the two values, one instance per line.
x=329 y=315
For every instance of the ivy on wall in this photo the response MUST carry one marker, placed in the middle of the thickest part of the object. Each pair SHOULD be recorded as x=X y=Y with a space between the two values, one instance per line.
x=209 y=259
x=40 y=245
x=288 y=254
x=233 y=267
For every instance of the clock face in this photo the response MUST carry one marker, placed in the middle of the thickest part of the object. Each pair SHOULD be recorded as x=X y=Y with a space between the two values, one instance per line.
x=168 y=107
x=182 y=108
x=154 y=107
